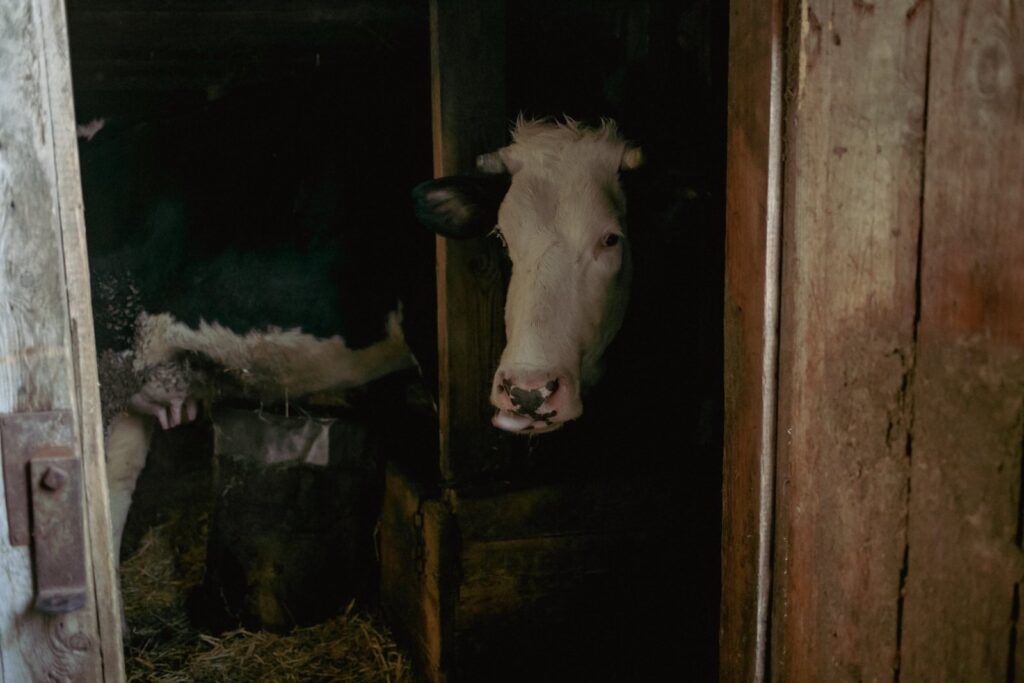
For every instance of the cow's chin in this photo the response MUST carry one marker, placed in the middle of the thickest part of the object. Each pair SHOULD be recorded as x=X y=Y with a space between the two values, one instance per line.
x=522 y=424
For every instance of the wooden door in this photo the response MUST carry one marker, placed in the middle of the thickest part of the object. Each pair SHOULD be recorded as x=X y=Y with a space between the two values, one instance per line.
x=873 y=518
x=47 y=353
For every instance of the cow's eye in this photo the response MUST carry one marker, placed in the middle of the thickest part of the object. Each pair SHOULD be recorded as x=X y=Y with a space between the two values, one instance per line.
x=611 y=239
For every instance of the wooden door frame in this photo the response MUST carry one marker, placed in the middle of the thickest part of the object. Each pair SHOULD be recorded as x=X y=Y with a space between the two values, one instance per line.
x=52 y=356
x=751 y=331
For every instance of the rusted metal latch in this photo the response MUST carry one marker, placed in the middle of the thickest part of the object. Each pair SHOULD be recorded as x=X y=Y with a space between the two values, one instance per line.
x=43 y=487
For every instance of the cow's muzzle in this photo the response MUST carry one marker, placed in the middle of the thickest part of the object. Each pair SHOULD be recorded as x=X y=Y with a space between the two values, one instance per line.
x=531 y=402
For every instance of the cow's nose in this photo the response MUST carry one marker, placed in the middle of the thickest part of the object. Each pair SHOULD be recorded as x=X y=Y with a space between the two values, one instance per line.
x=530 y=400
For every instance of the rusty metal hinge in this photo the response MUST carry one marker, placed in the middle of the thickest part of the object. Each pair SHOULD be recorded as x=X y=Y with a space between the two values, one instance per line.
x=43 y=489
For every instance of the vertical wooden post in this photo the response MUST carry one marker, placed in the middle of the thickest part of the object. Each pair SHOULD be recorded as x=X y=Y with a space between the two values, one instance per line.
x=47 y=354
x=854 y=151
x=753 y=213
x=103 y=557
x=419 y=550
x=467 y=43
x=854 y=146
x=962 y=615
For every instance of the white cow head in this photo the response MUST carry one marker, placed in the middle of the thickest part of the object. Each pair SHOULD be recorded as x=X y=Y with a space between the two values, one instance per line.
x=562 y=219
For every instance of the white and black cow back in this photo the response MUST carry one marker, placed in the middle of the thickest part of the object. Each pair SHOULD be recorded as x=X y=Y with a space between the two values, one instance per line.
x=238 y=252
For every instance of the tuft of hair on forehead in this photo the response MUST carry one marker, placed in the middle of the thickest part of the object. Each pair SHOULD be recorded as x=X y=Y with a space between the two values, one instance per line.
x=568 y=129
x=543 y=139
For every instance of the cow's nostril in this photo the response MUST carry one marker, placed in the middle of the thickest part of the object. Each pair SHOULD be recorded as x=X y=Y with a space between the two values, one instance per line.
x=526 y=400
x=541 y=396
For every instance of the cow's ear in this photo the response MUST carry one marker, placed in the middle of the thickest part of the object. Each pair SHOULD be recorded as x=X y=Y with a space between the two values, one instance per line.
x=461 y=206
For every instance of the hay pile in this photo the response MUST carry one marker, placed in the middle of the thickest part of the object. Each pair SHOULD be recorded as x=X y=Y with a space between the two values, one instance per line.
x=162 y=646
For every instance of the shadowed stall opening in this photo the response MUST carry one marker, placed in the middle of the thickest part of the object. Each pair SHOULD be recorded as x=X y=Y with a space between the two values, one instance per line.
x=299 y=467
x=571 y=545
x=264 y=309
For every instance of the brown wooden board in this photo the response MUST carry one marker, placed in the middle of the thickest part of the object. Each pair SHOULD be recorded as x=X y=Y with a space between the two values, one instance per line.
x=417 y=567
x=750 y=300
x=856 y=86
x=103 y=559
x=467 y=61
x=46 y=357
x=961 y=617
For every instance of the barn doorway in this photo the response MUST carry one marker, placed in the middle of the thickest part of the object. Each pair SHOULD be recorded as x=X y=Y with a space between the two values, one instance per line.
x=290 y=135
x=260 y=123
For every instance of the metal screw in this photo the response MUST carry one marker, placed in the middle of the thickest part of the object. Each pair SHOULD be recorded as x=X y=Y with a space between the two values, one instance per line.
x=54 y=479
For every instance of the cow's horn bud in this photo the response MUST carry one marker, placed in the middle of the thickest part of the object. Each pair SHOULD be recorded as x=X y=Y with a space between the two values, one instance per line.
x=632 y=158
x=491 y=163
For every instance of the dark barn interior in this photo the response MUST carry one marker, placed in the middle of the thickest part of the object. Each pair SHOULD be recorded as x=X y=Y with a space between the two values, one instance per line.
x=277 y=143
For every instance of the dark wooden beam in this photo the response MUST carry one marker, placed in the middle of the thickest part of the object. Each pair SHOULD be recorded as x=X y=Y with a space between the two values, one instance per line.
x=753 y=210
x=467 y=61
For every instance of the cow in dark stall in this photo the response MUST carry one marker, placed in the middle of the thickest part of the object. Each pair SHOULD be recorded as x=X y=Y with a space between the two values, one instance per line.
x=651 y=425
x=230 y=264
x=556 y=198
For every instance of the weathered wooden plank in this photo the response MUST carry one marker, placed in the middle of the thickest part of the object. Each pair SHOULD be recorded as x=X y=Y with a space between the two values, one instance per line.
x=854 y=146
x=965 y=563
x=467 y=63
x=750 y=308
x=417 y=566
x=36 y=367
x=102 y=558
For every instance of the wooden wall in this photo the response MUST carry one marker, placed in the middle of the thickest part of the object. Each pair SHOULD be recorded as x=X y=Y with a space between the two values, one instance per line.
x=897 y=503
x=47 y=353
x=964 y=562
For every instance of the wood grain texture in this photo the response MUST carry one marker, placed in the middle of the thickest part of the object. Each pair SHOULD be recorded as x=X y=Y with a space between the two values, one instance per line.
x=854 y=146
x=83 y=351
x=467 y=62
x=37 y=370
x=965 y=564
x=749 y=349
x=417 y=571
